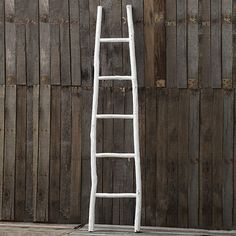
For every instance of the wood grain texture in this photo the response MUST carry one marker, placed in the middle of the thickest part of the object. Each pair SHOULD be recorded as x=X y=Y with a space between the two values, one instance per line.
x=2 y=43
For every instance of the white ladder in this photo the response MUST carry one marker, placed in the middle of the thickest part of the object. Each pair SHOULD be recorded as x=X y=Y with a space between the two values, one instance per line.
x=134 y=117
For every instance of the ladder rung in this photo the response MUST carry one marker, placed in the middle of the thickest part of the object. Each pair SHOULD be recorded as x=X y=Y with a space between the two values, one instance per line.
x=116 y=155
x=114 y=40
x=114 y=116
x=115 y=77
x=116 y=195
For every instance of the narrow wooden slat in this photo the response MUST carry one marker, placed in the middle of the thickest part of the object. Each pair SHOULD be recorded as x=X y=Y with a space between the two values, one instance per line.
x=181 y=41
x=20 y=184
x=206 y=131
x=65 y=43
x=161 y=152
x=216 y=43
x=55 y=62
x=75 y=181
x=234 y=42
x=55 y=155
x=75 y=43
x=193 y=46
x=193 y=136
x=228 y=159
x=32 y=42
x=234 y=174
x=85 y=49
x=44 y=33
x=65 y=167
x=8 y=212
x=227 y=43
x=217 y=145
x=10 y=42
x=172 y=158
x=151 y=154
x=2 y=137
x=149 y=43
x=204 y=44
x=2 y=43
x=183 y=161
x=44 y=153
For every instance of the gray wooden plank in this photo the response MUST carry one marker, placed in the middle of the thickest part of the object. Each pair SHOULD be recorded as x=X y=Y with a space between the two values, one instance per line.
x=65 y=166
x=172 y=157
x=151 y=139
x=228 y=159
x=193 y=46
x=161 y=153
x=8 y=211
x=171 y=67
x=204 y=44
x=44 y=33
x=217 y=163
x=206 y=132
x=2 y=137
x=75 y=43
x=20 y=165
x=75 y=186
x=216 y=43
x=43 y=154
x=10 y=42
x=32 y=42
x=183 y=160
x=193 y=136
x=55 y=155
x=181 y=42
x=234 y=41
x=2 y=43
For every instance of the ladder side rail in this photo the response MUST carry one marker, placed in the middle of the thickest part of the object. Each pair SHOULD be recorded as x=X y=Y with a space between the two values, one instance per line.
x=135 y=119
x=94 y=120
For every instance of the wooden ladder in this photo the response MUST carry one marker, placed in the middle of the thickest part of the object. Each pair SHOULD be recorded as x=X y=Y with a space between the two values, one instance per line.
x=134 y=117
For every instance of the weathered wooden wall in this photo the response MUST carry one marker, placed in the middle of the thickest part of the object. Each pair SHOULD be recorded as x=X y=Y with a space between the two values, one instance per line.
x=186 y=56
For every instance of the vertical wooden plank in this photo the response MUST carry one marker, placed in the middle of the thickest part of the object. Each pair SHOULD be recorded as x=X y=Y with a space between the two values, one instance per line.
x=36 y=111
x=149 y=43
x=234 y=174
x=75 y=187
x=20 y=11
x=85 y=143
x=2 y=43
x=216 y=43
x=44 y=31
x=44 y=153
x=204 y=44
x=161 y=152
x=20 y=183
x=9 y=154
x=32 y=42
x=206 y=131
x=75 y=43
x=55 y=61
x=65 y=43
x=217 y=162
x=55 y=155
x=171 y=67
x=2 y=137
x=193 y=46
x=183 y=161
x=138 y=19
x=181 y=41
x=117 y=180
x=228 y=159
x=108 y=144
x=86 y=74
x=234 y=41
x=172 y=157
x=193 y=136
x=65 y=153
x=151 y=156
x=10 y=42
x=227 y=43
